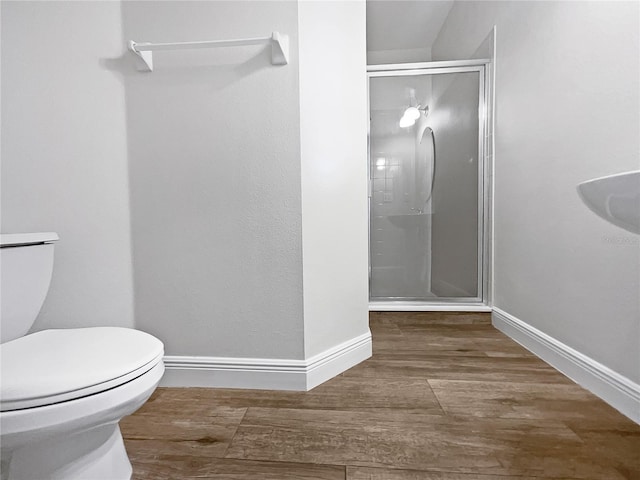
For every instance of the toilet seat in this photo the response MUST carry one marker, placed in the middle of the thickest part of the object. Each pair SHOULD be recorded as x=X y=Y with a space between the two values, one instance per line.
x=53 y=366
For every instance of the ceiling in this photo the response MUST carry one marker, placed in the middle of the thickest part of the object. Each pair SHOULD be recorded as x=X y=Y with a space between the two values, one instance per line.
x=404 y=24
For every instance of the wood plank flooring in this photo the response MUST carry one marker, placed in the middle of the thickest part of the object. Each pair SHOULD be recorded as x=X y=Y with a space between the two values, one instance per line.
x=445 y=396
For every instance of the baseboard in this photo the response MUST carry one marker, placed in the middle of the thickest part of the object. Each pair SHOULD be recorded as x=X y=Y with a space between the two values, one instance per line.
x=265 y=373
x=618 y=391
x=334 y=361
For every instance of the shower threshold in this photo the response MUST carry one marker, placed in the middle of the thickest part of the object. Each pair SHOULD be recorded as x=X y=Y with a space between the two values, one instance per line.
x=381 y=304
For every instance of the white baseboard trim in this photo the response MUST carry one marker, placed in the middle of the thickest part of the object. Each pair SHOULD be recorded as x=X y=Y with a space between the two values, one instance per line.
x=265 y=373
x=617 y=390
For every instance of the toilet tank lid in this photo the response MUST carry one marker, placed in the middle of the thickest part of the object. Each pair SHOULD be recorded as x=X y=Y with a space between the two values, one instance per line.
x=16 y=239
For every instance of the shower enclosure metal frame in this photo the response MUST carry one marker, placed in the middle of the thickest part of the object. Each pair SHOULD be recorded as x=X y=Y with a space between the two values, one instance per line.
x=482 y=301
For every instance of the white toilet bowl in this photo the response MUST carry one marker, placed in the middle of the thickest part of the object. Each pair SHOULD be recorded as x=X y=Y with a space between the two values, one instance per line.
x=63 y=392
x=61 y=404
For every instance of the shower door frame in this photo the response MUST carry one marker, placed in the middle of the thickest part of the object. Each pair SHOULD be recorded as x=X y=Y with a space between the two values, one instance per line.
x=481 y=302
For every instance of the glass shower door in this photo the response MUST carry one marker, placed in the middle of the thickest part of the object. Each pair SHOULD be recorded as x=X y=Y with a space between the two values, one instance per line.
x=426 y=169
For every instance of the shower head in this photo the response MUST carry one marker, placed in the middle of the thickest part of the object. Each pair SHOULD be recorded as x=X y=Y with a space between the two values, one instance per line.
x=412 y=114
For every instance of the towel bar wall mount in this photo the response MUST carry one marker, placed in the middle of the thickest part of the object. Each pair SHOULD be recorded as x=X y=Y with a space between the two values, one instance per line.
x=279 y=48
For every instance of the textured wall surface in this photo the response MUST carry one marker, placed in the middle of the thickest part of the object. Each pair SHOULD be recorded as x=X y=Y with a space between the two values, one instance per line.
x=567 y=93
x=64 y=154
x=178 y=194
x=333 y=133
x=214 y=162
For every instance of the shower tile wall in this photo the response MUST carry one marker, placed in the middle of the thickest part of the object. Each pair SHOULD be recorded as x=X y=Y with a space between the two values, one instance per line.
x=396 y=237
x=400 y=221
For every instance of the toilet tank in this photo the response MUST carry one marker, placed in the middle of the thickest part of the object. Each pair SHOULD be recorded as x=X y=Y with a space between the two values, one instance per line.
x=26 y=265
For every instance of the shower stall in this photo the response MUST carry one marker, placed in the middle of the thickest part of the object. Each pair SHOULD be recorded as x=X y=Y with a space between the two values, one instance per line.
x=428 y=194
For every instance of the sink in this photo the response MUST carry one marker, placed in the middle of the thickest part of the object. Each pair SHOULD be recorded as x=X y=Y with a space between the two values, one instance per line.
x=616 y=198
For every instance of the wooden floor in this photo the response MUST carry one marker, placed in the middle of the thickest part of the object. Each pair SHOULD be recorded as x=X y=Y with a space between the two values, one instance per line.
x=445 y=396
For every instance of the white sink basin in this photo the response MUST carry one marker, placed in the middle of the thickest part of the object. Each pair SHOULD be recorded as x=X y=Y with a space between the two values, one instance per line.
x=616 y=198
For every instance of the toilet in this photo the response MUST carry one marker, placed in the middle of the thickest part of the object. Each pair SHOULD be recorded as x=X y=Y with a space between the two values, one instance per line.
x=63 y=391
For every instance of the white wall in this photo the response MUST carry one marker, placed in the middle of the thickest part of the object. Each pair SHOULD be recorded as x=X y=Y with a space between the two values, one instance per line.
x=567 y=97
x=215 y=182
x=403 y=32
x=333 y=132
x=179 y=194
x=405 y=55
x=64 y=154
